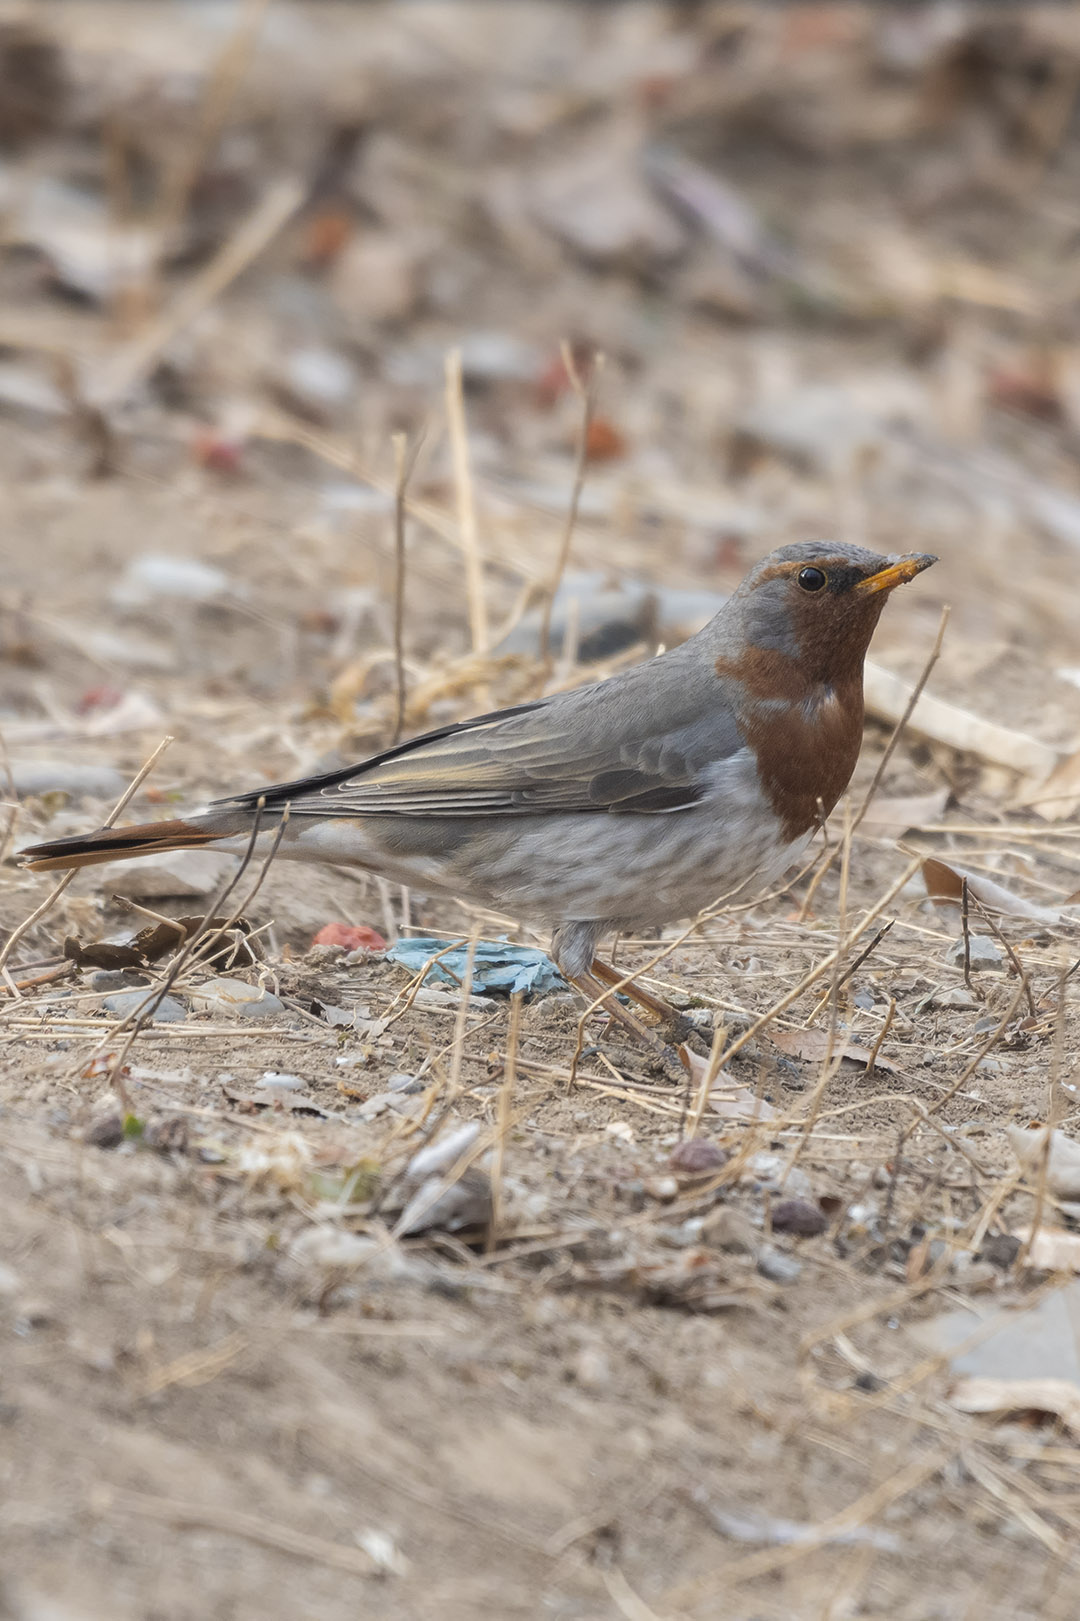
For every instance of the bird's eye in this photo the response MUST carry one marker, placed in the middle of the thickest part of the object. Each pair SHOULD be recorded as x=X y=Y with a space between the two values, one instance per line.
x=813 y=579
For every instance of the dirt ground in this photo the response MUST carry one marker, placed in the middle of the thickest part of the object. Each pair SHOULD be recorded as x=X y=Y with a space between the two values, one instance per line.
x=829 y=255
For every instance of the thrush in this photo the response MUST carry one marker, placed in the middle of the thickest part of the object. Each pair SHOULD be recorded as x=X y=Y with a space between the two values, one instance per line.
x=630 y=803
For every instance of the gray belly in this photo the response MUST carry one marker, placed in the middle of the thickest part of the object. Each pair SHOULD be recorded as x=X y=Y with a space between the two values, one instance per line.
x=629 y=869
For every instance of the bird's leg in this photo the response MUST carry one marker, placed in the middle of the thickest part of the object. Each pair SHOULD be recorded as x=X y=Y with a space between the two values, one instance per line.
x=677 y=1024
x=595 y=992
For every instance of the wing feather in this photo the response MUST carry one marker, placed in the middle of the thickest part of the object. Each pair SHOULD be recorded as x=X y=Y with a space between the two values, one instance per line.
x=641 y=743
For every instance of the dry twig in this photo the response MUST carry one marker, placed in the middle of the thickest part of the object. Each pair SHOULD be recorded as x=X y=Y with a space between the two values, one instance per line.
x=586 y=393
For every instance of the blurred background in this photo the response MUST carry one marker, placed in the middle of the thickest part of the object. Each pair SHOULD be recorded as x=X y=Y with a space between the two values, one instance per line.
x=632 y=293
x=830 y=255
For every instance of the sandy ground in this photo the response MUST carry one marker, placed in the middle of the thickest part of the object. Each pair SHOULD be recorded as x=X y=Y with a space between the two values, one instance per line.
x=226 y=1388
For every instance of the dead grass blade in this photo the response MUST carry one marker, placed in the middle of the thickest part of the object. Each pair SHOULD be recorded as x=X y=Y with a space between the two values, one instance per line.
x=466 y=503
x=586 y=393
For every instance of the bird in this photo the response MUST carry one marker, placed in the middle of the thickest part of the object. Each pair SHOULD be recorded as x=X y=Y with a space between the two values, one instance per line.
x=630 y=803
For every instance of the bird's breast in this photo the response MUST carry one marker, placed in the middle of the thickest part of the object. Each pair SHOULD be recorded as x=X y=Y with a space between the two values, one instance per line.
x=806 y=750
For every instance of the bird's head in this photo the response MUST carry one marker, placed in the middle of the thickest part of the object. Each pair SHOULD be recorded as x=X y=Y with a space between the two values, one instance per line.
x=812 y=607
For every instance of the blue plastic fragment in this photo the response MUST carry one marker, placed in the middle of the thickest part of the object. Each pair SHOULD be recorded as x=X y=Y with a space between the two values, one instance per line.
x=498 y=966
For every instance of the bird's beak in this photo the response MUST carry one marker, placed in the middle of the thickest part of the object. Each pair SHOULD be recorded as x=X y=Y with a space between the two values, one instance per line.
x=897 y=573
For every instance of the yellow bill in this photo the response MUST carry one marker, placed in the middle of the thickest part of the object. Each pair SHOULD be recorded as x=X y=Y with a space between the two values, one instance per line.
x=898 y=573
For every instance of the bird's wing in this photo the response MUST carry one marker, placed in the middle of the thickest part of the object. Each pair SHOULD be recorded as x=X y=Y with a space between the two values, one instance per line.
x=625 y=745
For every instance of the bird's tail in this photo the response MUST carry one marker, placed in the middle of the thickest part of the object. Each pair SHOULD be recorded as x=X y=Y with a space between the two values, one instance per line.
x=116 y=843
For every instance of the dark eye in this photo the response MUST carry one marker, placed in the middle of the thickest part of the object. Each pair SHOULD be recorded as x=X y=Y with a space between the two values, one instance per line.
x=813 y=579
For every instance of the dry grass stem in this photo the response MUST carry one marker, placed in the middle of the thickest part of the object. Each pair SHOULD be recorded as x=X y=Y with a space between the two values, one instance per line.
x=466 y=503
x=461 y=1025
x=218 y=92
x=205 y=934
x=401 y=479
x=586 y=393
x=712 y=1070
x=995 y=929
x=502 y=1118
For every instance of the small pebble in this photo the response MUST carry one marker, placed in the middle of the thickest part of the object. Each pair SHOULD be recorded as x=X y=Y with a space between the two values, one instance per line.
x=664 y=1188
x=592 y=1370
x=957 y=996
x=106 y=1132
x=697 y=1156
x=373 y=1107
x=800 y=1217
x=404 y=1083
x=1000 y=1249
x=183 y=578
x=776 y=1266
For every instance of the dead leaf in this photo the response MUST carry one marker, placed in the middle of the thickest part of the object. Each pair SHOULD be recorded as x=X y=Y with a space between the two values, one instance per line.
x=945 y=882
x=157 y=940
x=729 y=1101
x=103 y=954
x=811 y=1047
x=739 y=1103
x=982 y=1395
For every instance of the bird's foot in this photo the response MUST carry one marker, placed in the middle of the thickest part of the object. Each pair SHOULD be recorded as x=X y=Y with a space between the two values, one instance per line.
x=664 y=1056
x=676 y=1026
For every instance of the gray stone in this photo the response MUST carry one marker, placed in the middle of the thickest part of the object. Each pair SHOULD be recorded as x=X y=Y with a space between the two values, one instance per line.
x=168 y=1010
x=957 y=996
x=776 y=1266
x=404 y=1083
x=374 y=1106
x=986 y=956
x=1038 y=1342
x=116 y=979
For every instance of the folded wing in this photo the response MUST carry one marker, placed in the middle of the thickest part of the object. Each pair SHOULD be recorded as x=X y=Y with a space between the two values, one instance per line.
x=623 y=746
